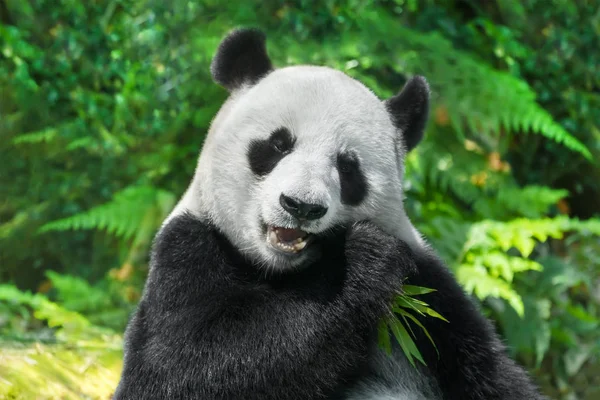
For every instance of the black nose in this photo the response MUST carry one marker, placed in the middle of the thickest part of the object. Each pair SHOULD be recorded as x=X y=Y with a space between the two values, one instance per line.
x=300 y=209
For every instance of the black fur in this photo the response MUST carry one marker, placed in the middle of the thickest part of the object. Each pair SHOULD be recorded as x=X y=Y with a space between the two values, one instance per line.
x=472 y=362
x=354 y=186
x=263 y=155
x=409 y=110
x=212 y=326
x=241 y=59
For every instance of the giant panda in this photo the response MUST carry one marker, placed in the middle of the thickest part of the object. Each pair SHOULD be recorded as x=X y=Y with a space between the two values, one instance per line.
x=269 y=277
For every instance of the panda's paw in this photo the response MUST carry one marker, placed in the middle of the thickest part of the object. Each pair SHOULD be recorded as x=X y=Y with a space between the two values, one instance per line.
x=375 y=255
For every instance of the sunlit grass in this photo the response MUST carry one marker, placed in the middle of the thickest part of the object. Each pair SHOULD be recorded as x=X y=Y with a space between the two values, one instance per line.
x=59 y=371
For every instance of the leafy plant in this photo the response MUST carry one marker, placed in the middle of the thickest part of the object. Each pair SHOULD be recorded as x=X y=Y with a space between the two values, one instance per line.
x=108 y=303
x=68 y=325
x=399 y=323
x=59 y=371
x=133 y=213
x=561 y=317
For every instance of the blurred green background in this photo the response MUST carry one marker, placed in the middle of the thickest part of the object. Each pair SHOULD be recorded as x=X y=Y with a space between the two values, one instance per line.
x=104 y=106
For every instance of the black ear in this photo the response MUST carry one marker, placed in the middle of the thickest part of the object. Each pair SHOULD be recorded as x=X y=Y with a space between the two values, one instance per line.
x=409 y=110
x=241 y=58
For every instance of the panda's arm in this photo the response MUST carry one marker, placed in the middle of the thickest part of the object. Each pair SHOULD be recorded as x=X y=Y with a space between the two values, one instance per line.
x=472 y=363
x=201 y=333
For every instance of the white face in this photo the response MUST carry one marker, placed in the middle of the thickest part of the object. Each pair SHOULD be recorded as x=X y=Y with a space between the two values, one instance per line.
x=334 y=159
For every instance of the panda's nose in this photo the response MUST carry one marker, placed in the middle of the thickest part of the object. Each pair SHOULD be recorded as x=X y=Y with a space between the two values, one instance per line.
x=300 y=209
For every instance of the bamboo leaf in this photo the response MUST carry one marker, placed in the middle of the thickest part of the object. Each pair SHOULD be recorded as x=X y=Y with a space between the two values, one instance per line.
x=406 y=342
x=411 y=290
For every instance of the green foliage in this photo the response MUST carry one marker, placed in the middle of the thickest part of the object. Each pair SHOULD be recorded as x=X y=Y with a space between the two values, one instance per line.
x=561 y=318
x=476 y=97
x=401 y=321
x=134 y=211
x=67 y=357
x=67 y=325
x=77 y=294
x=506 y=249
x=528 y=201
x=107 y=304
x=68 y=372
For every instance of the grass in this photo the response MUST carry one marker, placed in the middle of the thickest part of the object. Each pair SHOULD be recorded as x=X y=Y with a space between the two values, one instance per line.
x=38 y=371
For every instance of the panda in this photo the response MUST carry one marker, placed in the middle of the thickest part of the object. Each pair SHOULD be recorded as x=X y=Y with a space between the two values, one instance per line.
x=269 y=277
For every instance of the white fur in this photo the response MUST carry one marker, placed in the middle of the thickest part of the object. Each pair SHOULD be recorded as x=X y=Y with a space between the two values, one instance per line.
x=397 y=379
x=328 y=112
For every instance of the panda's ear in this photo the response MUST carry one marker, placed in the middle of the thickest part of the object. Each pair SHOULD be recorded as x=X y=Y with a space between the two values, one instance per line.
x=409 y=110
x=241 y=59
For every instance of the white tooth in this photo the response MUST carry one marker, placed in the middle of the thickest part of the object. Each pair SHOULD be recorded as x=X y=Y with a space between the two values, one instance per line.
x=300 y=245
x=273 y=238
x=282 y=246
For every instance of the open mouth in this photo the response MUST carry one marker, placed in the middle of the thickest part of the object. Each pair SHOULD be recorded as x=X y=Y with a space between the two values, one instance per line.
x=290 y=241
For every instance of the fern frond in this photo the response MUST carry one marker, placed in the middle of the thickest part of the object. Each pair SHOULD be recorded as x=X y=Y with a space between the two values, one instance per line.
x=478 y=98
x=46 y=135
x=590 y=226
x=43 y=136
x=448 y=235
x=76 y=294
x=483 y=265
x=134 y=208
x=501 y=265
x=69 y=324
x=477 y=279
x=519 y=233
x=81 y=143
x=442 y=162
x=529 y=201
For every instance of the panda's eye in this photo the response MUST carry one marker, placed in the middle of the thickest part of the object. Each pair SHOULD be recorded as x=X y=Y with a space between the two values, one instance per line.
x=281 y=140
x=279 y=145
x=345 y=168
x=264 y=154
x=353 y=182
x=347 y=163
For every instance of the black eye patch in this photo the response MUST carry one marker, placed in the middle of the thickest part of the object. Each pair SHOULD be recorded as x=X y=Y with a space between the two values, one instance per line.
x=354 y=187
x=263 y=155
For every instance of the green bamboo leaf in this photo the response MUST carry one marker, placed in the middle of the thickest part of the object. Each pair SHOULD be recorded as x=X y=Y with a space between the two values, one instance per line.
x=384 y=337
x=420 y=325
x=404 y=302
x=401 y=342
x=419 y=306
x=431 y=313
x=407 y=326
x=410 y=300
x=406 y=342
x=411 y=290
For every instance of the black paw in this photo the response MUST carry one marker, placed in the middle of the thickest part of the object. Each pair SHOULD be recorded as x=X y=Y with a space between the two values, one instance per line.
x=376 y=257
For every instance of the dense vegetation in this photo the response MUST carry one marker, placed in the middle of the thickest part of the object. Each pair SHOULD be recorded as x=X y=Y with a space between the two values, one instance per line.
x=105 y=104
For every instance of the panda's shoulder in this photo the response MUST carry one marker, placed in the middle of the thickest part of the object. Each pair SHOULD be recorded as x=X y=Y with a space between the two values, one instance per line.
x=185 y=239
x=429 y=262
x=184 y=229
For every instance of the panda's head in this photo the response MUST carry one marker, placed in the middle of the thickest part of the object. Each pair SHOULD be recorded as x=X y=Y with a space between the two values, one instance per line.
x=299 y=151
